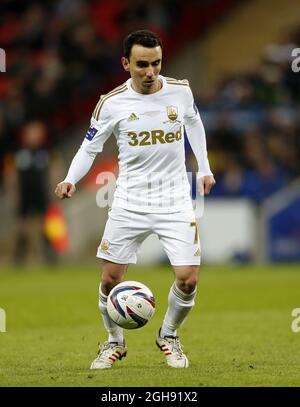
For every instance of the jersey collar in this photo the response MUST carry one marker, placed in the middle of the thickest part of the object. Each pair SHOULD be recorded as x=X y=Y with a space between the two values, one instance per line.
x=161 y=90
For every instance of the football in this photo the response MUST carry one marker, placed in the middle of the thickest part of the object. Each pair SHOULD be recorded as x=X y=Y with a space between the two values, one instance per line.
x=131 y=304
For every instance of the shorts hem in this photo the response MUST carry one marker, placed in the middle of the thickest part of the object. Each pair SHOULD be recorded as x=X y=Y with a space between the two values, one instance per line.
x=115 y=260
x=186 y=263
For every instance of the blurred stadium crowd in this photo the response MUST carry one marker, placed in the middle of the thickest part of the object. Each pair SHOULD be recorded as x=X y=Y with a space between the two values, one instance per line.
x=254 y=142
x=62 y=54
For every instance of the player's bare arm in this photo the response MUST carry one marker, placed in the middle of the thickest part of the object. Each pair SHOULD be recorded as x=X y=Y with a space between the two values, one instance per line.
x=65 y=190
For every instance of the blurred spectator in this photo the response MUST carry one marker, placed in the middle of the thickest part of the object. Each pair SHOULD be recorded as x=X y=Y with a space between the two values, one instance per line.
x=28 y=181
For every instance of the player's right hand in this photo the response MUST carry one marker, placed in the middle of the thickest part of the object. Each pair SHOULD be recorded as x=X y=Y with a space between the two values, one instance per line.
x=65 y=190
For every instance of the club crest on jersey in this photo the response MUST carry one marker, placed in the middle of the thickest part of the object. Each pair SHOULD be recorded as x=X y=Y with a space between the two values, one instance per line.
x=172 y=112
x=104 y=245
x=91 y=133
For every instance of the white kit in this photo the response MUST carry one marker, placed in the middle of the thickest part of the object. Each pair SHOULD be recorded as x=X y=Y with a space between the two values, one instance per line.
x=149 y=130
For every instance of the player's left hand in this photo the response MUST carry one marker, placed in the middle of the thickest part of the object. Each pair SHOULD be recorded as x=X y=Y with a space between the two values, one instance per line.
x=205 y=184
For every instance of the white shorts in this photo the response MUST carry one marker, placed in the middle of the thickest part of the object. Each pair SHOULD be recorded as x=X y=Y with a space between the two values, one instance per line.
x=126 y=230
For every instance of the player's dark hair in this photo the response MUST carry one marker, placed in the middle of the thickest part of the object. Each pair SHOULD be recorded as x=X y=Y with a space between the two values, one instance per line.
x=142 y=37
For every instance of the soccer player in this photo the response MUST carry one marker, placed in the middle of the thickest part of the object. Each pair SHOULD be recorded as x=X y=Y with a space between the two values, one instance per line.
x=147 y=114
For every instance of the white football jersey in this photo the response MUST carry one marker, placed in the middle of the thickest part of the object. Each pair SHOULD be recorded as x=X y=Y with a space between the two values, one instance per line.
x=149 y=131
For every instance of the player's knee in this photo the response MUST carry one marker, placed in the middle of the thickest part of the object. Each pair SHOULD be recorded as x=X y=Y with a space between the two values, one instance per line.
x=188 y=282
x=112 y=275
x=188 y=286
x=109 y=281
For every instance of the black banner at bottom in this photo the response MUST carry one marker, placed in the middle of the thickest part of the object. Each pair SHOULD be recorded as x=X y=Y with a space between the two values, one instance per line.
x=128 y=396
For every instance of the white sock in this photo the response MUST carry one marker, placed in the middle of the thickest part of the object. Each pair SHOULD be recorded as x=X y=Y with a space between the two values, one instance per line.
x=180 y=304
x=115 y=332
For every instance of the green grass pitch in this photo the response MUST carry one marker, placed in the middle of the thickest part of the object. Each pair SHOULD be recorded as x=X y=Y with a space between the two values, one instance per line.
x=238 y=334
